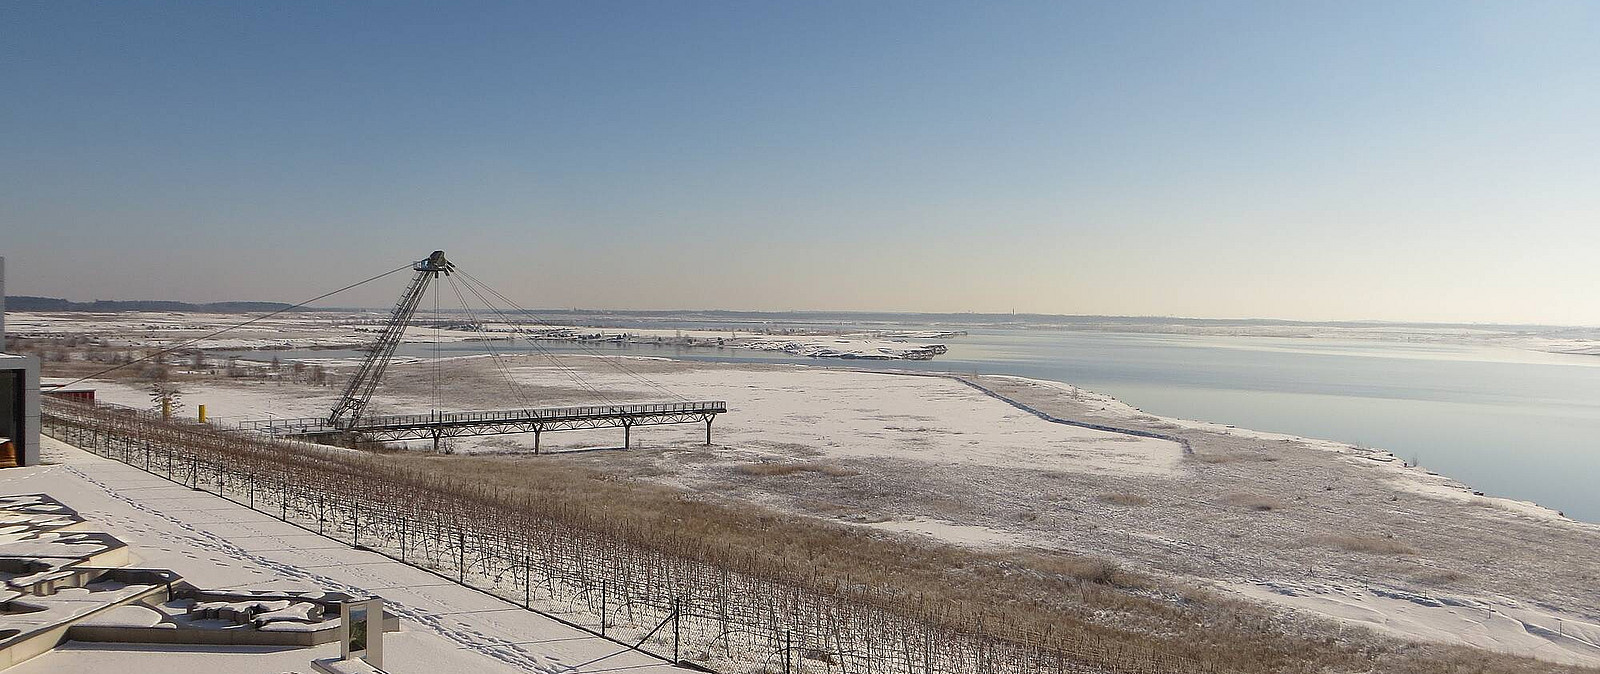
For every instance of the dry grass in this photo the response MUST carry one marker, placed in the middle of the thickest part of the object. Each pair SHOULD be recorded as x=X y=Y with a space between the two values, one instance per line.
x=768 y=469
x=1232 y=457
x=1125 y=499
x=1085 y=569
x=1377 y=545
x=1092 y=599
x=1255 y=502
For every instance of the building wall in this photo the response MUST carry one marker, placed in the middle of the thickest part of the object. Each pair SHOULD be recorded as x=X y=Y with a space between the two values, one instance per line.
x=27 y=367
x=26 y=370
x=30 y=452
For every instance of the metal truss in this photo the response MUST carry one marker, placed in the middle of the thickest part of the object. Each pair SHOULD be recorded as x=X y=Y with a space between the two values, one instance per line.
x=499 y=422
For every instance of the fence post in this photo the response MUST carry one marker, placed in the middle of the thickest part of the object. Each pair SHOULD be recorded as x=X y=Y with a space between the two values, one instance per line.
x=602 y=607
x=461 y=557
x=677 y=620
x=788 y=649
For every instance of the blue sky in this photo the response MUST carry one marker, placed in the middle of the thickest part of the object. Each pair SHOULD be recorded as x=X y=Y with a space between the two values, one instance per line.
x=1350 y=160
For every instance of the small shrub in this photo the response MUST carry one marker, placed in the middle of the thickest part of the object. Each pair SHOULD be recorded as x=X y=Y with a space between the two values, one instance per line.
x=1125 y=499
x=1377 y=545
x=1256 y=502
x=1085 y=570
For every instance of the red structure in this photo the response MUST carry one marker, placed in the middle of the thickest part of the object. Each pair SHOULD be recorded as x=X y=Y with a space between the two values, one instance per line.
x=82 y=395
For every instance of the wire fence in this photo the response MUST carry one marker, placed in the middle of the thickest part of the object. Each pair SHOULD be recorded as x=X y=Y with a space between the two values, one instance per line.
x=661 y=601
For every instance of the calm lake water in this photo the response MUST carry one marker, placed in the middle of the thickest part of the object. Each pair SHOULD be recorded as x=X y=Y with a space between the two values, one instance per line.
x=1507 y=421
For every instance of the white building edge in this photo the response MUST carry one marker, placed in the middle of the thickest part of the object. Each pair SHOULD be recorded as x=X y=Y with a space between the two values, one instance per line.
x=19 y=393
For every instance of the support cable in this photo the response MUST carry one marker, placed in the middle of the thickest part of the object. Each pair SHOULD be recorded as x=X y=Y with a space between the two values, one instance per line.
x=572 y=374
x=538 y=348
x=488 y=342
x=613 y=361
x=257 y=319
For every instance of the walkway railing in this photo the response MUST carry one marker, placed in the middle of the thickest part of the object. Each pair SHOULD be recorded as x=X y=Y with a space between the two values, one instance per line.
x=539 y=414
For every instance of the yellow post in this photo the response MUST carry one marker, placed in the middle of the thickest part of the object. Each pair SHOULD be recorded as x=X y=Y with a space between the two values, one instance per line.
x=166 y=408
x=202 y=414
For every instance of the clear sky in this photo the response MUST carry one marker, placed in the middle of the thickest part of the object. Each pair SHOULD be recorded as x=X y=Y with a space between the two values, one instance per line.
x=1310 y=160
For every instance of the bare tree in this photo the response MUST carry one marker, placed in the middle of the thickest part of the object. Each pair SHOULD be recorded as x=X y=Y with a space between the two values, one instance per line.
x=166 y=397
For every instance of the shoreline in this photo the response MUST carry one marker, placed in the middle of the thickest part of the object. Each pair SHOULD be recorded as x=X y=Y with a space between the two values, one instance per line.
x=1329 y=529
x=1486 y=457
x=1425 y=481
x=1450 y=537
x=1422 y=477
x=1444 y=485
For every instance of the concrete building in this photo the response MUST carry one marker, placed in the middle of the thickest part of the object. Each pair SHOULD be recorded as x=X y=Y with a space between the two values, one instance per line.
x=19 y=395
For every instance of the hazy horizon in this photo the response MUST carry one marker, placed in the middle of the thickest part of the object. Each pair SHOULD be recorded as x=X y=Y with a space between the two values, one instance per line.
x=667 y=312
x=1428 y=162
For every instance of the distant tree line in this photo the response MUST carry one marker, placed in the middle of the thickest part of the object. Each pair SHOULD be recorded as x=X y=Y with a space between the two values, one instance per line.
x=30 y=303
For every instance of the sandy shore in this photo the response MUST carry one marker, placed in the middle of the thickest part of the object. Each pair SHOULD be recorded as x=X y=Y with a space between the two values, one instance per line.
x=1318 y=529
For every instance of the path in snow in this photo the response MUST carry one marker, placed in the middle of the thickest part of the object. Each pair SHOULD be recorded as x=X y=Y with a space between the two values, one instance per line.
x=213 y=542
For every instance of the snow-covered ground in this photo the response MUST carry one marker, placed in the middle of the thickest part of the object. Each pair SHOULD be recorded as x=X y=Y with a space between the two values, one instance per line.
x=1271 y=517
x=1318 y=528
x=1356 y=535
x=312 y=329
x=776 y=413
x=333 y=329
x=1495 y=625
x=445 y=628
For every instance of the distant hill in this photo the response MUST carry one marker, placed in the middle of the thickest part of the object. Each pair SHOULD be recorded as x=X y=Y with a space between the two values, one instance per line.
x=28 y=303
